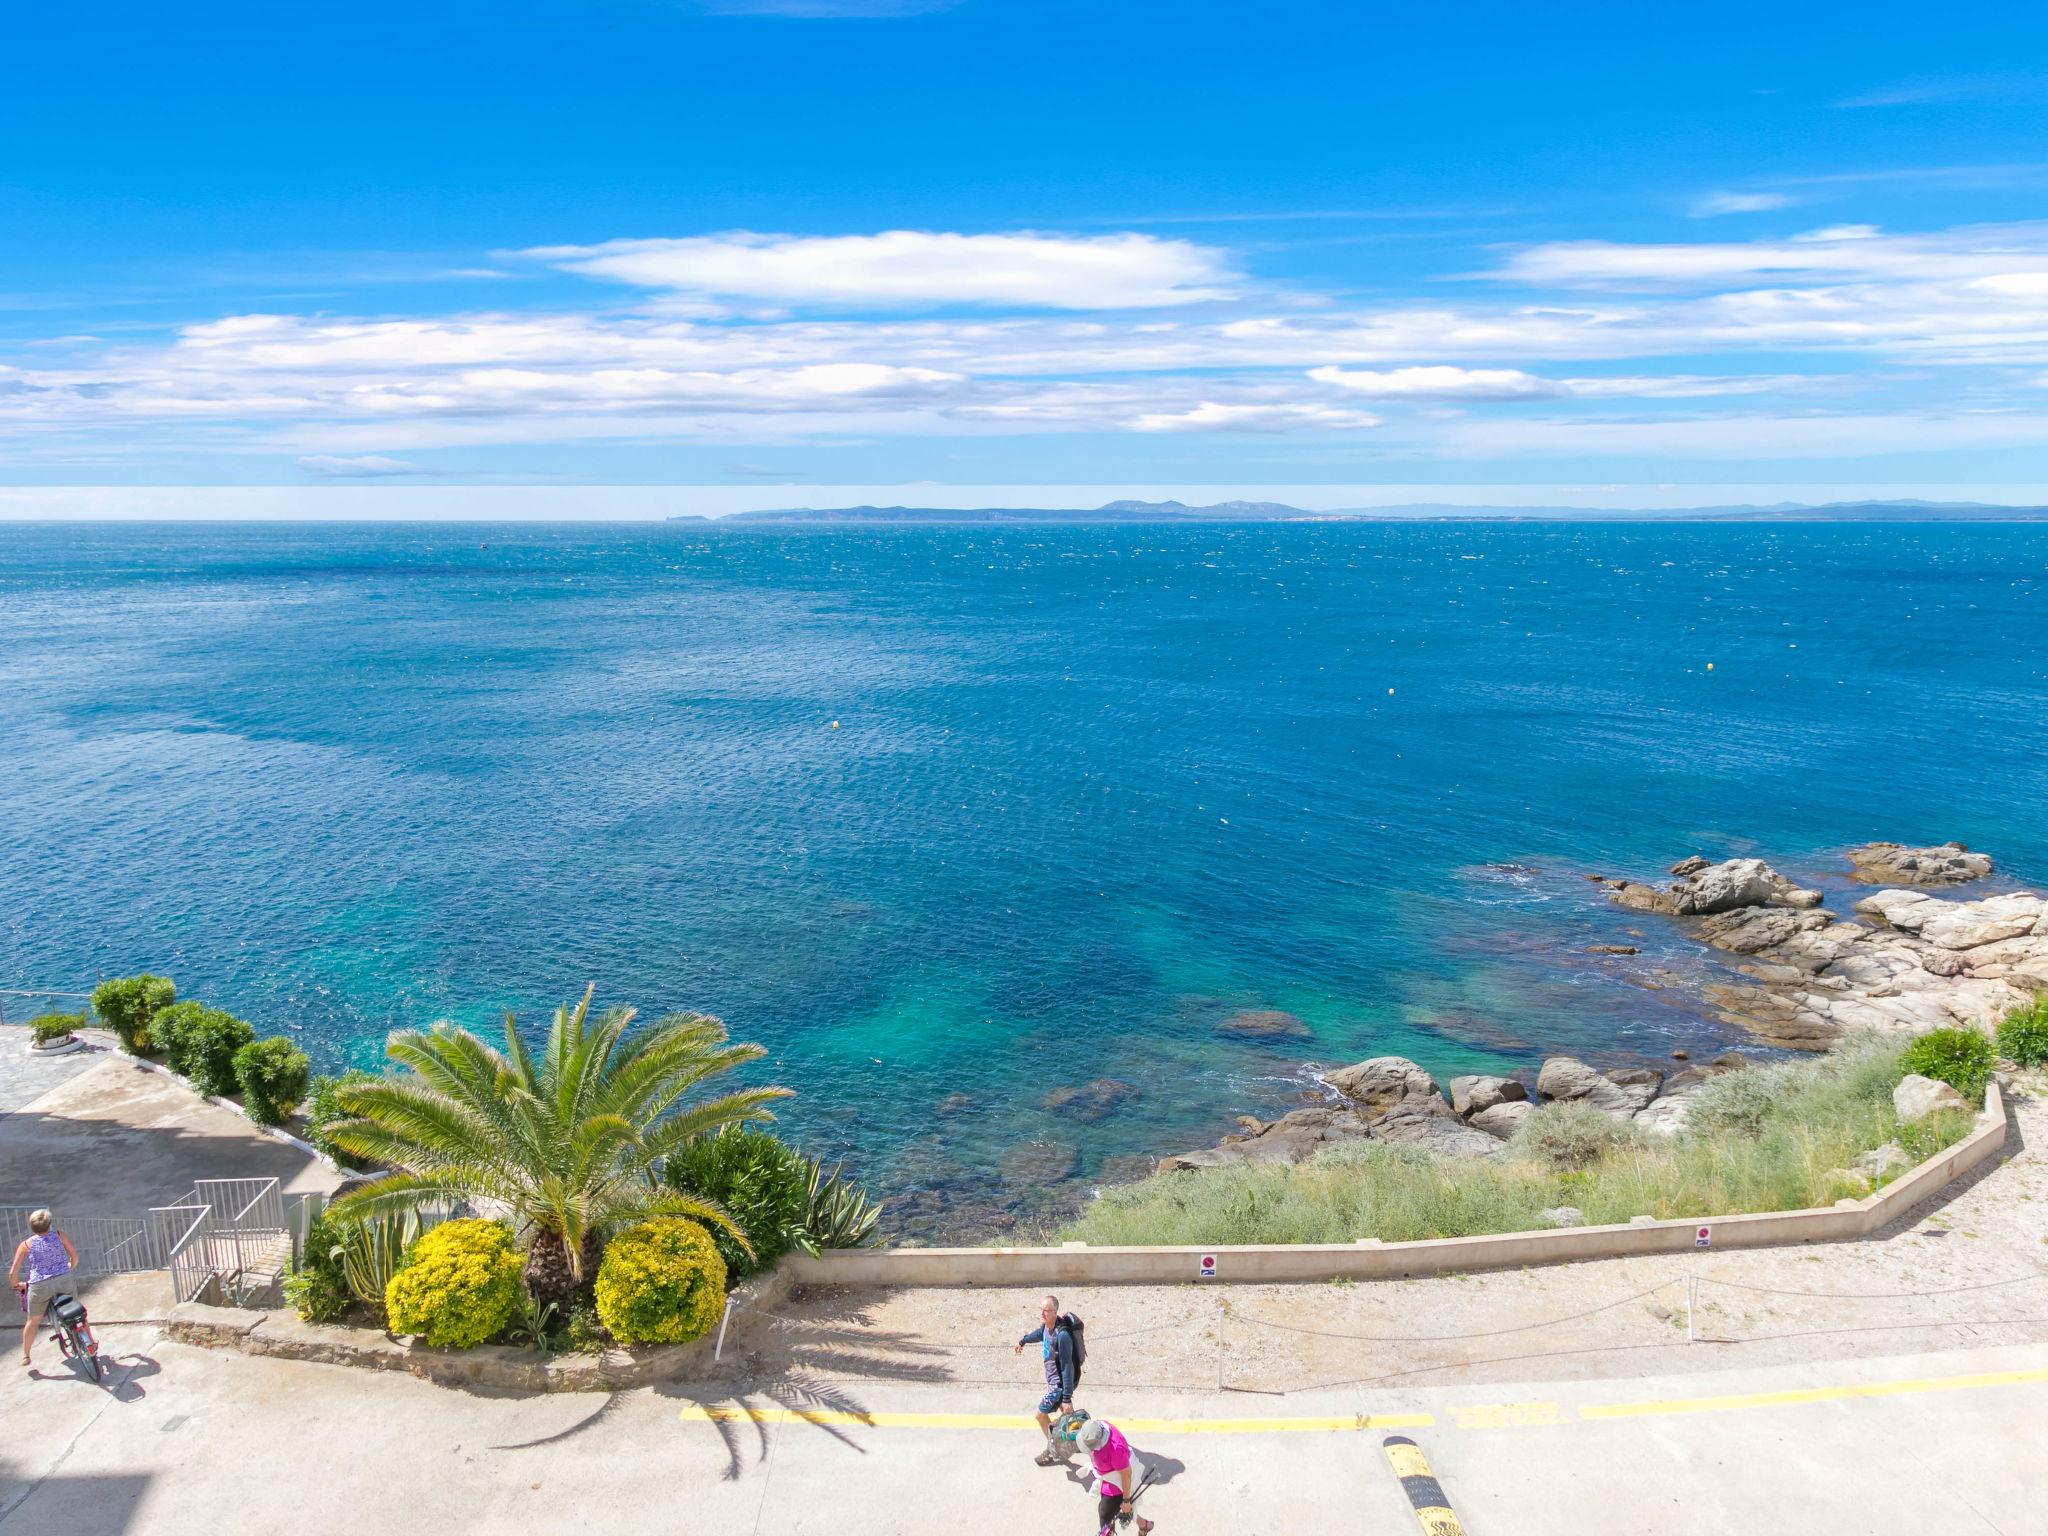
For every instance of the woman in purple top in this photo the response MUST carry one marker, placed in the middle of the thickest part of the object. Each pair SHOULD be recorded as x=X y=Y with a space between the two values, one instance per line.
x=42 y=1260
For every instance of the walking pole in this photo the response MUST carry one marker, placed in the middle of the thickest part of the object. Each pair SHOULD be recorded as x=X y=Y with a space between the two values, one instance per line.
x=718 y=1349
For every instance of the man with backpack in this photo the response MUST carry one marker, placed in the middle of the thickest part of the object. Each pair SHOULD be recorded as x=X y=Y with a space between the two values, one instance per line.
x=1061 y=1343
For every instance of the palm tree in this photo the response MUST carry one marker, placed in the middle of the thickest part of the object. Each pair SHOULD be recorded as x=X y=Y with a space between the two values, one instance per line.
x=567 y=1142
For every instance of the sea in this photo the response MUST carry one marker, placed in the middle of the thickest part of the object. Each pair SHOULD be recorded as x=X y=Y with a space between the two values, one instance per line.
x=1027 y=853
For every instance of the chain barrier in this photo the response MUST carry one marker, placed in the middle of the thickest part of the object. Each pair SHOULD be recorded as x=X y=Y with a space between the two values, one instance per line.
x=1690 y=1280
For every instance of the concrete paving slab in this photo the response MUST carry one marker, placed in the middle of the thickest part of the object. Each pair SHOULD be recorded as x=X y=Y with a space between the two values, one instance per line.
x=117 y=1139
x=189 y=1439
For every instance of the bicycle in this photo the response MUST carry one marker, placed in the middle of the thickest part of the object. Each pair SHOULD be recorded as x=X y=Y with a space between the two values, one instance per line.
x=68 y=1321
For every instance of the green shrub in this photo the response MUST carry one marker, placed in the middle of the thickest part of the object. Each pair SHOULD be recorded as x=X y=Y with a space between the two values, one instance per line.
x=759 y=1182
x=200 y=1042
x=273 y=1077
x=1962 y=1058
x=2023 y=1033
x=323 y=1109
x=662 y=1282
x=460 y=1286
x=46 y=1027
x=1567 y=1136
x=129 y=1003
x=317 y=1287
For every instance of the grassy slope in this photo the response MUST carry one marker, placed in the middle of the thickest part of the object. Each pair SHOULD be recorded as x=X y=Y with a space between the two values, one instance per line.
x=1765 y=1139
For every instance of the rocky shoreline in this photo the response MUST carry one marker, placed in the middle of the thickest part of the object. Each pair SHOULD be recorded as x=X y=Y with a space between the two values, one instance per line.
x=1803 y=977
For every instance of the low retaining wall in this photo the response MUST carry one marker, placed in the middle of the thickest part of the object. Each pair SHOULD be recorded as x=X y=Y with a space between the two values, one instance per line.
x=1370 y=1259
x=283 y=1336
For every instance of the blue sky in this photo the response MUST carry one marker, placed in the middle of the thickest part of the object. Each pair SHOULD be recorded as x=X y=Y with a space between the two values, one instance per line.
x=1334 y=251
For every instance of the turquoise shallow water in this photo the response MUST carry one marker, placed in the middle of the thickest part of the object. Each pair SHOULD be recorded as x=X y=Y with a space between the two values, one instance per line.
x=1091 y=791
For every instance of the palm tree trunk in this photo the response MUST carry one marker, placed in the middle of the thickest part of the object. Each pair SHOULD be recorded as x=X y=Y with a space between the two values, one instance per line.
x=552 y=1275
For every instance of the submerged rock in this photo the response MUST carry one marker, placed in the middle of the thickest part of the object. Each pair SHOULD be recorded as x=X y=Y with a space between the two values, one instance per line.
x=1091 y=1103
x=1041 y=1162
x=1898 y=864
x=1263 y=1024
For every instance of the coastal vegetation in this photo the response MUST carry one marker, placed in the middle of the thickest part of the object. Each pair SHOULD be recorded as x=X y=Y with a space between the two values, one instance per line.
x=129 y=1004
x=1779 y=1137
x=779 y=1199
x=661 y=1282
x=2023 y=1033
x=459 y=1287
x=217 y=1051
x=567 y=1141
x=1962 y=1058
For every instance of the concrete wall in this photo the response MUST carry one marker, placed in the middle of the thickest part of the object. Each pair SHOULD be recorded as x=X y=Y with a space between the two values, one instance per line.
x=1370 y=1259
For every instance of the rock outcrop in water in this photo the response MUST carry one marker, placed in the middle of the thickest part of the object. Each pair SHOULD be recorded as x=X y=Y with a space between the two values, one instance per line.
x=1801 y=977
x=1896 y=864
x=1916 y=962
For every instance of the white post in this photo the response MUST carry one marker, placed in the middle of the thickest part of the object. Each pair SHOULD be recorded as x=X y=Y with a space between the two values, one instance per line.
x=718 y=1349
x=1219 y=1346
x=1692 y=1289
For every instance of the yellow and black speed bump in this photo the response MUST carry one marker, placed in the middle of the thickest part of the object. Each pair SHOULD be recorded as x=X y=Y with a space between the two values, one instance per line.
x=1432 y=1508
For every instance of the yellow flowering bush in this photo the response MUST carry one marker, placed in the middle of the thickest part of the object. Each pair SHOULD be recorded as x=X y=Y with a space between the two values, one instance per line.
x=661 y=1282
x=459 y=1287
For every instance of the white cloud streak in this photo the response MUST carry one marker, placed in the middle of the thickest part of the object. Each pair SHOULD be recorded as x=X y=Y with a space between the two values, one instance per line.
x=1125 y=334
x=910 y=269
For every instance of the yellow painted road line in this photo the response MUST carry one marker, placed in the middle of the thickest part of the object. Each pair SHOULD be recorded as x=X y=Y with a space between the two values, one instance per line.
x=1464 y=1416
x=1742 y=1400
x=840 y=1418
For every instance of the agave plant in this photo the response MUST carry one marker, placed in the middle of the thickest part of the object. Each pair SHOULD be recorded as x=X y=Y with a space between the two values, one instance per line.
x=565 y=1141
x=838 y=1213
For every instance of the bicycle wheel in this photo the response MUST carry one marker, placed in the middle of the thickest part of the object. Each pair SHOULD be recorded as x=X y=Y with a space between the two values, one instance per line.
x=98 y=1371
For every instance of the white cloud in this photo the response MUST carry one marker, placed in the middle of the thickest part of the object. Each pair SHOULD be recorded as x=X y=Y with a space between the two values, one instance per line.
x=1841 y=251
x=1440 y=382
x=1216 y=416
x=368 y=466
x=910 y=269
x=1714 y=204
x=1458 y=375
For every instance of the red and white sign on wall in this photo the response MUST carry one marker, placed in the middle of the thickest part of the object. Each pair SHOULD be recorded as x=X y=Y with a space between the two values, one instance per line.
x=1208 y=1270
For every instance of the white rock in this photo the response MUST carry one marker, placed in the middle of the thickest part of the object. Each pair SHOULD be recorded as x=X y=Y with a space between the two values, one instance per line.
x=1666 y=1116
x=1725 y=886
x=1503 y=1119
x=1563 y=1216
x=1917 y=1097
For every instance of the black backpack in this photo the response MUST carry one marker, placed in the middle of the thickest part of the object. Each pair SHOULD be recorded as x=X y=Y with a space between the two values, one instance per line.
x=1076 y=1331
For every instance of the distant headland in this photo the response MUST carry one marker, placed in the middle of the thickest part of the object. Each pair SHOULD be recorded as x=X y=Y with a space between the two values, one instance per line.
x=1903 y=511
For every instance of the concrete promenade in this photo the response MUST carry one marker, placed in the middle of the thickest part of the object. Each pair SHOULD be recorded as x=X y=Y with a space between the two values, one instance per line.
x=187 y=1440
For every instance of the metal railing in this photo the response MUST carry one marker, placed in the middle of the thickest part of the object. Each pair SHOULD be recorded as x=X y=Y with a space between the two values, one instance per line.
x=184 y=1235
x=107 y=1245
x=54 y=996
x=230 y=1233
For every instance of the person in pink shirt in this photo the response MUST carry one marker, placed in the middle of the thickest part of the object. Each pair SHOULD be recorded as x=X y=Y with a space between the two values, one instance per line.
x=1116 y=1475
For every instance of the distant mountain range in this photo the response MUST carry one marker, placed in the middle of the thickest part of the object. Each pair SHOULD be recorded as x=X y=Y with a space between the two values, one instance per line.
x=1905 y=511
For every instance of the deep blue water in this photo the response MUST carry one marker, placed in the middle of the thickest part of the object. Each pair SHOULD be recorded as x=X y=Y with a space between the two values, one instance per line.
x=1089 y=791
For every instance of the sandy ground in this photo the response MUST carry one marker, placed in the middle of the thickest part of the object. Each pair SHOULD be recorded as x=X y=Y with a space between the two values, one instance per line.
x=1968 y=1269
